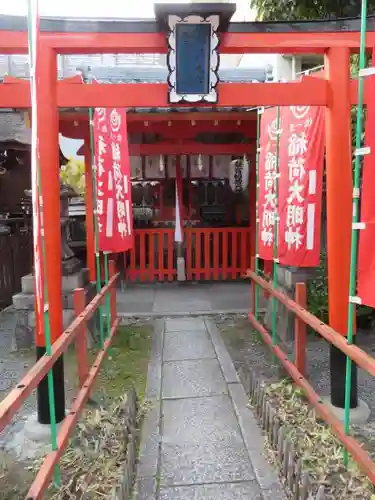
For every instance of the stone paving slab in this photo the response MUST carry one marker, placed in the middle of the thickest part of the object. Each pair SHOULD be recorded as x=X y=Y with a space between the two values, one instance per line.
x=172 y=304
x=175 y=299
x=194 y=344
x=184 y=324
x=190 y=379
x=200 y=441
x=226 y=491
x=202 y=463
x=209 y=419
x=130 y=307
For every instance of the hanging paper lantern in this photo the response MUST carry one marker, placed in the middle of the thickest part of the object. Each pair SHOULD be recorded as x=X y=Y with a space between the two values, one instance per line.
x=239 y=174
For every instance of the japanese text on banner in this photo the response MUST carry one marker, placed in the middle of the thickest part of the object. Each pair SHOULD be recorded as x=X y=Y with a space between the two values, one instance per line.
x=114 y=206
x=300 y=185
x=267 y=196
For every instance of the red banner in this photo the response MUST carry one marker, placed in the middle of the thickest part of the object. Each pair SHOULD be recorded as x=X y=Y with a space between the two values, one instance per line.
x=301 y=161
x=267 y=183
x=366 y=255
x=113 y=186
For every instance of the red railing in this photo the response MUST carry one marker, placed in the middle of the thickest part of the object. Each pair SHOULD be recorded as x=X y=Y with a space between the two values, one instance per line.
x=217 y=253
x=211 y=254
x=297 y=369
x=76 y=332
x=153 y=257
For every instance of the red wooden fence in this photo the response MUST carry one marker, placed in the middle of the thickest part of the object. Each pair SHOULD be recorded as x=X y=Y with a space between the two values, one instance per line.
x=217 y=253
x=211 y=254
x=153 y=257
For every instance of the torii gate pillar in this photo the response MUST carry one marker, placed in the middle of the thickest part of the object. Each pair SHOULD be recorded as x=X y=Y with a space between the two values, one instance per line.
x=339 y=212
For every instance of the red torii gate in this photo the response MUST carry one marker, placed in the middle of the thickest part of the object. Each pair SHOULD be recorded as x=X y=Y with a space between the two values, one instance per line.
x=336 y=40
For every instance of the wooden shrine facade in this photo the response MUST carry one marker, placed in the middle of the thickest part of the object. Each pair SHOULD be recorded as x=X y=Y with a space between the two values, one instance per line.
x=216 y=213
x=335 y=39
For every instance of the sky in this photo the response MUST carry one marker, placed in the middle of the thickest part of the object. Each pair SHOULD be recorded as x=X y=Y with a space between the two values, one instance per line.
x=100 y=8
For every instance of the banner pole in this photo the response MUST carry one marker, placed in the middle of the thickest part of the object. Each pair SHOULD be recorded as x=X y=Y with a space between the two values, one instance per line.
x=96 y=228
x=41 y=289
x=108 y=297
x=275 y=232
x=355 y=219
x=256 y=288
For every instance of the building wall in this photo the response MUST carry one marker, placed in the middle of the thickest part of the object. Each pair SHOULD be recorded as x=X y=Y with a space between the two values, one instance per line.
x=13 y=184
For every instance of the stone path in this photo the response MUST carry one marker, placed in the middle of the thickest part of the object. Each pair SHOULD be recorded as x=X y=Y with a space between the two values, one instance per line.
x=186 y=298
x=199 y=440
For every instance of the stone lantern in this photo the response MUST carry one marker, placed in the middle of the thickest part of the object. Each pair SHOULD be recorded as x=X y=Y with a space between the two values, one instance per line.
x=70 y=264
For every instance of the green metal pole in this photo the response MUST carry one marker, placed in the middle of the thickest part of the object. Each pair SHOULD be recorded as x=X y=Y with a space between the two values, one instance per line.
x=256 y=288
x=96 y=226
x=275 y=231
x=107 y=299
x=46 y=320
x=356 y=206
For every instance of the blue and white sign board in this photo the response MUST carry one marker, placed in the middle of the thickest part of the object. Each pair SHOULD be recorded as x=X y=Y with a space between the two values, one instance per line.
x=193 y=58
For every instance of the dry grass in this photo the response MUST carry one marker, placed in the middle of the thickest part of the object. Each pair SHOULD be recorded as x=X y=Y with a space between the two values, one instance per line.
x=320 y=451
x=92 y=464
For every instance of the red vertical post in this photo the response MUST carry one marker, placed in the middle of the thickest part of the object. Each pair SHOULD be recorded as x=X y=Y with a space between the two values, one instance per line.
x=300 y=331
x=113 y=302
x=49 y=164
x=89 y=200
x=215 y=263
x=142 y=256
x=50 y=176
x=81 y=343
x=339 y=211
x=207 y=264
x=339 y=185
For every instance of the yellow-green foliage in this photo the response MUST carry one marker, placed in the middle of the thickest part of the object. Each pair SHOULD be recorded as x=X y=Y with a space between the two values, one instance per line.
x=73 y=174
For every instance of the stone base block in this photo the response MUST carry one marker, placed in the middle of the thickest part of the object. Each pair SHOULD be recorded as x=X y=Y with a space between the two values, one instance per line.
x=67 y=315
x=181 y=275
x=69 y=283
x=24 y=305
x=358 y=416
x=30 y=439
x=287 y=278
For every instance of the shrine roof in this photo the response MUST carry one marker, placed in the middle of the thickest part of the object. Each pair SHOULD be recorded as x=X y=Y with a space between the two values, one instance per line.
x=155 y=74
x=123 y=68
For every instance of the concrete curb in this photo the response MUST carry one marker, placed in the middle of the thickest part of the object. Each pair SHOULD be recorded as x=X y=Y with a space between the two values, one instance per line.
x=149 y=452
x=181 y=314
x=225 y=361
x=124 y=490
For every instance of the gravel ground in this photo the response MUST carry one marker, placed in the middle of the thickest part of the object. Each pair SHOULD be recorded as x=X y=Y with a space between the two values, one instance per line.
x=247 y=349
x=13 y=366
